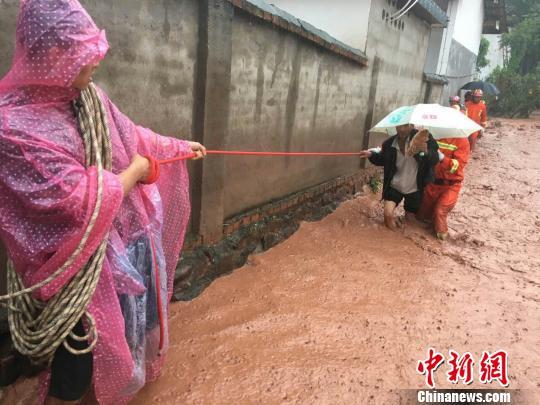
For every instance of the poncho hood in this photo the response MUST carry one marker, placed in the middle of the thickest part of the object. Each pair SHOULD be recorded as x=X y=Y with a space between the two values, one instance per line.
x=54 y=40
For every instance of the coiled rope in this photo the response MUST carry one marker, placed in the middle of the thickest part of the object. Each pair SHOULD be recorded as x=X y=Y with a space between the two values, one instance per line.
x=39 y=328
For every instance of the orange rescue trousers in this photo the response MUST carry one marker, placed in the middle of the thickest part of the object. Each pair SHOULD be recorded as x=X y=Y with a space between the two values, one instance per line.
x=437 y=203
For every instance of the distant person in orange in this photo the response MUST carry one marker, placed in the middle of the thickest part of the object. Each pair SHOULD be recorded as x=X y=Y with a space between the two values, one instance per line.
x=441 y=196
x=477 y=111
x=455 y=103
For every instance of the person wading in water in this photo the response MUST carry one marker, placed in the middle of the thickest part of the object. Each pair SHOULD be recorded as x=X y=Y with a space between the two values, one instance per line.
x=406 y=171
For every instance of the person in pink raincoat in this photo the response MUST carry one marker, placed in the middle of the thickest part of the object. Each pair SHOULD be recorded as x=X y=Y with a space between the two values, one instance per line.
x=47 y=195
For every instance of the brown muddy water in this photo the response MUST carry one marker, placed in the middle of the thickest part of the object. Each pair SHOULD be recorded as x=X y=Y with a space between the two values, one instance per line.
x=342 y=311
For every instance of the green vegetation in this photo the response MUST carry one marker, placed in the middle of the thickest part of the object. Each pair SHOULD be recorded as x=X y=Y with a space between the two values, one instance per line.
x=519 y=78
x=375 y=184
x=520 y=94
x=482 y=60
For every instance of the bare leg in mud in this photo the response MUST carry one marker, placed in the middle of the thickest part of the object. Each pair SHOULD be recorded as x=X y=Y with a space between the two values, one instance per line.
x=389 y=216
x=393 y=222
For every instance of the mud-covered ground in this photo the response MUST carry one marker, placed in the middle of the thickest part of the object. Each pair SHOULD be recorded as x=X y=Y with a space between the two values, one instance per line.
x=343 y=310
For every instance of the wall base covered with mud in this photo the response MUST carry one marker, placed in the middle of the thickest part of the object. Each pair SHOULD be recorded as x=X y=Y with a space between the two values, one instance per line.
x=263 y=228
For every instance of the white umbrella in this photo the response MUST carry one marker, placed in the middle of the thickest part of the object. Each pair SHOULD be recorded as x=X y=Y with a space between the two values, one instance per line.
x=441 y=122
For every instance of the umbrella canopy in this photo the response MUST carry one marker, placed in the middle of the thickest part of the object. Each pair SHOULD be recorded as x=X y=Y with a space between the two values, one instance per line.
x=486 y=87
x=442 y=122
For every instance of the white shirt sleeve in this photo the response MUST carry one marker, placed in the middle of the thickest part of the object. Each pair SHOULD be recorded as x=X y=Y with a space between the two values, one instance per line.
x=441 y=155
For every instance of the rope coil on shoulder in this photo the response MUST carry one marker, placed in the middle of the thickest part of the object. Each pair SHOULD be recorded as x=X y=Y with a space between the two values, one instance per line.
x=39 y=328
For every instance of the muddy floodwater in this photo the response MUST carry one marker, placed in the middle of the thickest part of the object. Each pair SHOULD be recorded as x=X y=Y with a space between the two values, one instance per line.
x=342 y=311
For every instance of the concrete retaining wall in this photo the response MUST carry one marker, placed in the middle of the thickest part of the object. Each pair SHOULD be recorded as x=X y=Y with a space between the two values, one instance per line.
x=460 y=65
x=286 y=92
x=402 y=53
x=436 y=93
x=8 y=19
x=149 y=69
x=397 y=54
x=288 y=95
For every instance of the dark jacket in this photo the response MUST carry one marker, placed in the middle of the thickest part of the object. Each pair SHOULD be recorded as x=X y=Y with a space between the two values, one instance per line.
x=388 y=155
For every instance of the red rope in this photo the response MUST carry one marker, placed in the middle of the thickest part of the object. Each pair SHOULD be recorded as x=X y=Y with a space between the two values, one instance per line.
x=248 y=153
x=155 y=174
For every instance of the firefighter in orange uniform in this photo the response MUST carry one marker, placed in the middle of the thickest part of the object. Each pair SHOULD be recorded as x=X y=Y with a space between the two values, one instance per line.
x=476 y=111
x=441 y=196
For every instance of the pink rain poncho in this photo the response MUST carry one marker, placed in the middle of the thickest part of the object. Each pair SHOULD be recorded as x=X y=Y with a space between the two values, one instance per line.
x=47 y=195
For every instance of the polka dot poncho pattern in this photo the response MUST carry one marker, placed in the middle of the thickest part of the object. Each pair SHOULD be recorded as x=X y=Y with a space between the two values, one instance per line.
x=47 y=195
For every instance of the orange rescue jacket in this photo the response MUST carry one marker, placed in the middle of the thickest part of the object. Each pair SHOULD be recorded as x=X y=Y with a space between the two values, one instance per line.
x=456 y=155
x=477 y=112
